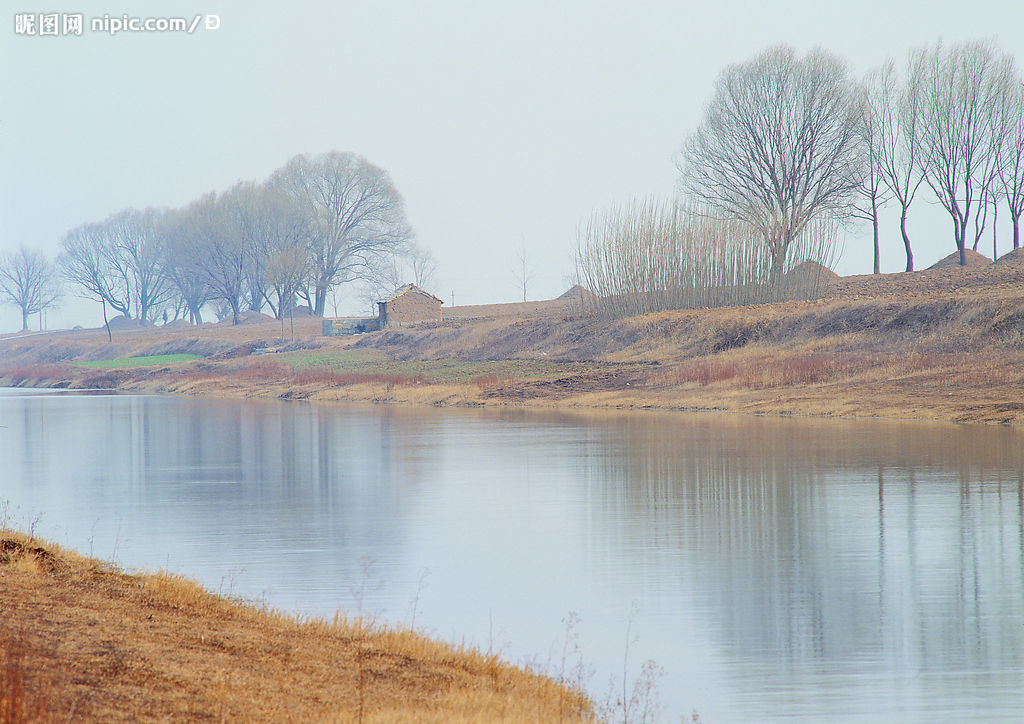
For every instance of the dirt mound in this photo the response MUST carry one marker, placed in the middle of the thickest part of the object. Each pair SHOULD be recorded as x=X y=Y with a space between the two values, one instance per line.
x=121 y=322
x=577 y=292
x=1014 y=257
x=811 y=272
x=812 y=269
x=251 y=317
x=971 y=257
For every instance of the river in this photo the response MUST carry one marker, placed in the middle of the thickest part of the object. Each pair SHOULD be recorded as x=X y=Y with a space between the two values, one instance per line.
x=771 y=569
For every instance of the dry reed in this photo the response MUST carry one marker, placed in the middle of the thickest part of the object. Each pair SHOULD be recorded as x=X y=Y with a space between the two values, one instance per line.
x=652 y=256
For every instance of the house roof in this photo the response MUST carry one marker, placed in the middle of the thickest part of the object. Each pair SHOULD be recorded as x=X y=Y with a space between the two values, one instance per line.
x=405 y=289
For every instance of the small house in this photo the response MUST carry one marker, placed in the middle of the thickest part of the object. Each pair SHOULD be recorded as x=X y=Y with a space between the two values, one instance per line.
x=409 y=304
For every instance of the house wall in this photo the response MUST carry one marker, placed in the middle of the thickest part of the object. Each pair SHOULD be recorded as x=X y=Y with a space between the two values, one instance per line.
x=410 y=307
x=350 y=325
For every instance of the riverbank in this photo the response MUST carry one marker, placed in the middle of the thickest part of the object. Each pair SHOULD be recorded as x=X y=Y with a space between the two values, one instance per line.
x=943 y=344
x=81 y=640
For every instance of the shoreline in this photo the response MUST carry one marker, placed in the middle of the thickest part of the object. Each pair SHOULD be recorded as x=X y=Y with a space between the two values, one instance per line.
x=922 y=397
x=83 y=639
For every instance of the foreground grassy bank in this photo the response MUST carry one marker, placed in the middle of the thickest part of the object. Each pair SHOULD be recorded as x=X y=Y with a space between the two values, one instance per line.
x=944 y=344
x=80 y=640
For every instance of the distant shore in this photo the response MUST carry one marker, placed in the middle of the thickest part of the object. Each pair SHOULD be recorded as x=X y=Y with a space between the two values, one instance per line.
x=944 y=344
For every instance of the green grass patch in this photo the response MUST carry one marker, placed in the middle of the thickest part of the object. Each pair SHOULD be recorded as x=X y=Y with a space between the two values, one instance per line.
x=435 y=371
x=156 y=359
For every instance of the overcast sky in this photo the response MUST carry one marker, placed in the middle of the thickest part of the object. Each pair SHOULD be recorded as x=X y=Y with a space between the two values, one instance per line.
x=499 y=124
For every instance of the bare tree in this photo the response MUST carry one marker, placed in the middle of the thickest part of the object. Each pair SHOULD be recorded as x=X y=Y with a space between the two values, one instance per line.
x=120 y=262
x=962 y=130
x=355 y=214
x=521 y=268
x=408 y=263
x=382 y=277
x=89 y=261
x=29 y=282
x=183 y=268
x=896 y=108
x=138 y=249
x=275 y=227
x=210 y=232
x=871 y=192
x=1011 y=166
x=422 y=265
x=778 y=146
x=286 y=268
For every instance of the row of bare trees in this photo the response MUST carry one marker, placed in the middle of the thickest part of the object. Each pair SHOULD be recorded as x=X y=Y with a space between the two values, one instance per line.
x=951 y=119
x=314 y=224
x=786 y=140
x=789 y=148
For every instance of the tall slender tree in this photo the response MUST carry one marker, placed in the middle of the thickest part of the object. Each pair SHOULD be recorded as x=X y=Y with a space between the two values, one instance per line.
x=895 y=105
x=871 y=191
x=1011 y=166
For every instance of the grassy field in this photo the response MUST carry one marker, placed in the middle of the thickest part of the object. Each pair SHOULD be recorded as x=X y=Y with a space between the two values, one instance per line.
x=81 y=640
x=435 y=371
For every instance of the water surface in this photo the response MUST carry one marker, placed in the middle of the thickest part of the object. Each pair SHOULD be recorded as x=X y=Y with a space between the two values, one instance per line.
x=773 y=568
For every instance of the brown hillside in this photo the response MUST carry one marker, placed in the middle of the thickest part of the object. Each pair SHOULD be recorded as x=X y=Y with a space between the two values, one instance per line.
x=931 y=282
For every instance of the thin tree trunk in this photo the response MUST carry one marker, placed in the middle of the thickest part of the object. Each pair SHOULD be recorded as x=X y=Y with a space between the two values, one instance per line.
x=874 y=224
x=995 y=219
x=961 y=241
x=106 y=322
x=906 y=240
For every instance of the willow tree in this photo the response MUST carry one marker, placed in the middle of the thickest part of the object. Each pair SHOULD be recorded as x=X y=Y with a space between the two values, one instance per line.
x=354 y=214
x=779 y=146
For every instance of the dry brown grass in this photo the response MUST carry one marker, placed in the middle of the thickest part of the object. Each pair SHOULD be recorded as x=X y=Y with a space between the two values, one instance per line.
x=81 y=640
